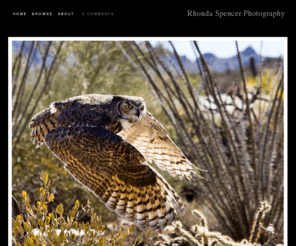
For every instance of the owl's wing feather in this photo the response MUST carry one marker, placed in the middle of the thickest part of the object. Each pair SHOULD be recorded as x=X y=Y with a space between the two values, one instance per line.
x=152 y=140
x=41 y=124
x=117 y=174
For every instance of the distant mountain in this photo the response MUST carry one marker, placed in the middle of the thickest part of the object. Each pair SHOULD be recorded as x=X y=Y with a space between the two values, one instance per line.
x=249 y=51
x=210 y=58
x=219 y=64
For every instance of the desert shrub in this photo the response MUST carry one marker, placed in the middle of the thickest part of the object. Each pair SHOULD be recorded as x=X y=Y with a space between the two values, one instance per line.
x=200 y=235
x=36 y=225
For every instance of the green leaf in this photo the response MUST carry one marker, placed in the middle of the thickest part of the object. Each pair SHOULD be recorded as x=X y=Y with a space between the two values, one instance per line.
x=40 y=222
x=77 y=203
x=51 y=216
x=75 y=224
x=50 y=197
x=24 y=194
x=60 y=209
x=47 y=220
x=86 y=227
x=44 y=177
x=19 y=218
x=101 y=242
x=26 y=226
x=34 y=221
x=62 y=236
x=73 y=236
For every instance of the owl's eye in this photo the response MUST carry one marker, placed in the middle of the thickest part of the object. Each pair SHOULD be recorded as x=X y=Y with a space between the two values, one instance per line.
x=128 y=106
x=142 y=108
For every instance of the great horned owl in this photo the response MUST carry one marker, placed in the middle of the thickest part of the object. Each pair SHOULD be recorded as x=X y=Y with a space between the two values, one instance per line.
x=105 y=142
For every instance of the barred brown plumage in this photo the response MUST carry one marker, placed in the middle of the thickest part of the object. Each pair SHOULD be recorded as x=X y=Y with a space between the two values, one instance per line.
x=81 y=132
x=41 y=124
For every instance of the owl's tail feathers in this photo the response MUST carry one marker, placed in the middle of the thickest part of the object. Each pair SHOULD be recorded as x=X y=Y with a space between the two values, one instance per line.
x=169 y=193
x=150 y=206
x=41 y=124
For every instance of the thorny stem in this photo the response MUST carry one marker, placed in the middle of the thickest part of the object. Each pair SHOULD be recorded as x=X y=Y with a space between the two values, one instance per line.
x=250 y=123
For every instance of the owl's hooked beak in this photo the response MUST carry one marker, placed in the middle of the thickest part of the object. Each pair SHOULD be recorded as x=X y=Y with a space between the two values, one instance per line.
x=138 y=113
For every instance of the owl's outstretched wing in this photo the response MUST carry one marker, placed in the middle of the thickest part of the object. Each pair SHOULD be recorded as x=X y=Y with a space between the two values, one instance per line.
x=117 y=174
x=152 y=140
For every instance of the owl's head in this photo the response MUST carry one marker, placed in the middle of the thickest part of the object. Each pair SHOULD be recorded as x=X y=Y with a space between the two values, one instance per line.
x=132 y=109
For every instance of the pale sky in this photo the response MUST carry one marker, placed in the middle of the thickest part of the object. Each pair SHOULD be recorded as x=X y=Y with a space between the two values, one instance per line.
x=219 y=46
x=225 y=47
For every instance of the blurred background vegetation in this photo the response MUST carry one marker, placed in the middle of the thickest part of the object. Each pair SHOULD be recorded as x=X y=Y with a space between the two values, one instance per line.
x=253 y=131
